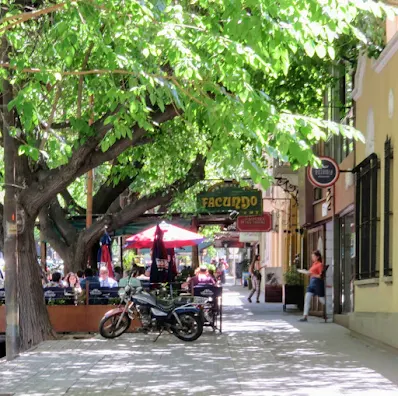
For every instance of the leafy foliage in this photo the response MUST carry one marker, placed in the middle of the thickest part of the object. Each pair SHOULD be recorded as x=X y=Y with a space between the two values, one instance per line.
x=292 y=277
x=238 y=73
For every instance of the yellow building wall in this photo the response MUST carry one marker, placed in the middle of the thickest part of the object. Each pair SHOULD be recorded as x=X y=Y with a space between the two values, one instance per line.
x=280 y=240
x=376 y=95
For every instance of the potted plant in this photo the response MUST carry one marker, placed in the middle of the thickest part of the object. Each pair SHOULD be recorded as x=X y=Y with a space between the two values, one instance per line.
x=293 y=289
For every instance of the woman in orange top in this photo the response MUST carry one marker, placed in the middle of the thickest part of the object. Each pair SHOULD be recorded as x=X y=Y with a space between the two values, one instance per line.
x=316 y=286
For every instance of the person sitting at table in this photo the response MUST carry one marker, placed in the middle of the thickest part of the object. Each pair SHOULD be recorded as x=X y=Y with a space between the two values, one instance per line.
x=80 y=275
x=71 y=280
x=89 y=277
x=212 y=274
x=55 y=280
x=118 y=273
x=141 y=275
x=202 y=278
x=105 y=280
x=130 y=278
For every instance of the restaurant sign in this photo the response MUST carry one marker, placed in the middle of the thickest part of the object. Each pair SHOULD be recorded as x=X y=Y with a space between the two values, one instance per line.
x=227 y=198
x=261 y=223
x=326 y=175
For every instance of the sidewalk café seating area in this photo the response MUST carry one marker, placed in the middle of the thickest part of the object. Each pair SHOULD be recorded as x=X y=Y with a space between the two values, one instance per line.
x=209 y=296
x=213 y=310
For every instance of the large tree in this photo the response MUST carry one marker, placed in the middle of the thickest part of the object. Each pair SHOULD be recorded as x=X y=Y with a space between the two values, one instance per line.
x=86 y=82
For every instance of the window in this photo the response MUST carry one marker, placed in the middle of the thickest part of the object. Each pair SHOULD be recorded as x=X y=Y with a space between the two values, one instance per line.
x=387 y=207
x=315 y=239
x=338 y=108
x=317 y=194
x=366 y=218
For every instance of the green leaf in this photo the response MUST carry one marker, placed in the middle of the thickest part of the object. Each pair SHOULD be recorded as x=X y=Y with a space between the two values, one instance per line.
x=320 y=50
x=309 y=48
x=146 y=52
x=331 y=52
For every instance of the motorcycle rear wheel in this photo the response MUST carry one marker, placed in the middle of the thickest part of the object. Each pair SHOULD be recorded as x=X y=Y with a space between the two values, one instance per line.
x=192 y=327
x=107 y=327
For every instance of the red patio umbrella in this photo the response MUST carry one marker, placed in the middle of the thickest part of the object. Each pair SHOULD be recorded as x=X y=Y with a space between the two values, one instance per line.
x=173 y=237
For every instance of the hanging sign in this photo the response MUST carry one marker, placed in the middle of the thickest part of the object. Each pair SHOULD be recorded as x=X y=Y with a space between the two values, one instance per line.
x=262 y=223
x=325 y=176
x=249 y=237
x=231 y=197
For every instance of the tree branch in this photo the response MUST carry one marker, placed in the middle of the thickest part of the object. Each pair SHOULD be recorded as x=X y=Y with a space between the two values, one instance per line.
x=26 y=16
x=63 y=227
x=49 y=231
x=86 y=157
x=136 y=208
x=70 y=202
x=81 y=80
x=51 y=116
x=108 y=192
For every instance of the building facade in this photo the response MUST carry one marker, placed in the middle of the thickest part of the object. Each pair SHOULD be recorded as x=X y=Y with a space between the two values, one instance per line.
x=326 y=215
x=376 y=284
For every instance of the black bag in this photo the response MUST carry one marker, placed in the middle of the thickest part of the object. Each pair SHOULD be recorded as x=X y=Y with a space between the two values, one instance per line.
x=257 y=274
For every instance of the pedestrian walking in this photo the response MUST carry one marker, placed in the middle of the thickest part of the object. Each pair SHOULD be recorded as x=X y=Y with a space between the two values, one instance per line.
x=255 y=271
x=317 y=284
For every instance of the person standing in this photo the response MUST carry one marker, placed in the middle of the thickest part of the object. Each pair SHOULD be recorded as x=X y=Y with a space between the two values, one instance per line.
x=255 y=271
x=317 y=284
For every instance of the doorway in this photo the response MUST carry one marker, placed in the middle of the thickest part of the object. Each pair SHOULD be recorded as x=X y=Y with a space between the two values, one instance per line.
x=347 y=263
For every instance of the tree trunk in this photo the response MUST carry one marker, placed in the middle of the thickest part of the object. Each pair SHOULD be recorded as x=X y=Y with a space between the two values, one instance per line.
x=10 y=226
x=79 y=258
x=34 y=321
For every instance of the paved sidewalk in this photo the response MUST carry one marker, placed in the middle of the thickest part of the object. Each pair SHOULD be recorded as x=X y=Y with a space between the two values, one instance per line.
x=263 y=351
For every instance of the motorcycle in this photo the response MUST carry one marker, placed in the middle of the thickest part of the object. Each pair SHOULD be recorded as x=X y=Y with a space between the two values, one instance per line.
x=185 y=321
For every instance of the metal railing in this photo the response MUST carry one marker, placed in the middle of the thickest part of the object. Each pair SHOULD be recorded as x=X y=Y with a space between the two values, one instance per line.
x=388 y=156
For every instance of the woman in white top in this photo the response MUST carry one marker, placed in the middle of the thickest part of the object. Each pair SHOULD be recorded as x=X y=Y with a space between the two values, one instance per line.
x=255 y=271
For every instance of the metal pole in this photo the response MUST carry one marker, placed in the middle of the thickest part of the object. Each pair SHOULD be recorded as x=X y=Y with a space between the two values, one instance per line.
x=195 y=248
x=121 y=253
x=43 y=255
x=90 y=177
x=89 y=211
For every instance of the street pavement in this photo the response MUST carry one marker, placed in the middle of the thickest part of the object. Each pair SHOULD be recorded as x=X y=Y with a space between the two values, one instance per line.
x=262 y=351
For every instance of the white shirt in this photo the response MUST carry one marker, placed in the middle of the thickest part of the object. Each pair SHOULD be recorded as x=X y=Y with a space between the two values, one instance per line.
x=108 y=282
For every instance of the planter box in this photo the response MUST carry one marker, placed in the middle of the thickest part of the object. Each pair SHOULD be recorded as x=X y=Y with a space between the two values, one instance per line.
x=73 y=319
x=273 y=294
x=293 y=295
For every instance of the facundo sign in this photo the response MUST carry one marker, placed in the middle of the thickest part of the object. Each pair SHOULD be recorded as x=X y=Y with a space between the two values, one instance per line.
x=262 y=223
x=225 y=198
x=325 y=176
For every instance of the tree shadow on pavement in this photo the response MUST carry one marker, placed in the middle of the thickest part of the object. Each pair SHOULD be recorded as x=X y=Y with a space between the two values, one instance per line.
x=261 y=352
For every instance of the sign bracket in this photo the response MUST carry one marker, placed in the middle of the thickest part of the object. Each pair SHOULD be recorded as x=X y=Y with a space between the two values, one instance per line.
x=288 y=187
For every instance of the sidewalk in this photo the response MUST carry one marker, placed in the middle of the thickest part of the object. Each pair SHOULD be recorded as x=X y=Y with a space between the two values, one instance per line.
x=262 y=351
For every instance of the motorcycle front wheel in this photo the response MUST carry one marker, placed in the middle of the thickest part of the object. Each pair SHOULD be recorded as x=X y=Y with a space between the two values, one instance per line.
x=108 y=326
x=191 y=329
